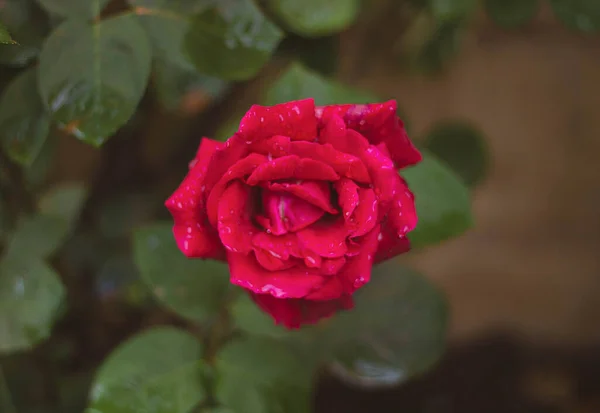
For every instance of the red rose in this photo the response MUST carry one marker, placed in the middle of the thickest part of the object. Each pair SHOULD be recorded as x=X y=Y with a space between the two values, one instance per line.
x=301 y=202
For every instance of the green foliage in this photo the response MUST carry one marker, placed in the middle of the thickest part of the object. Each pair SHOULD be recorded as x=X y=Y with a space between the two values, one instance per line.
x=581 y=15
x=511 y=13
x=315 y=17
x=252 y=320
x=25 y=23
x=93 y=75
x=449 y=10
x=24 y=123
x=157 y=371
x=397 y=329
x=195 y=289
x=462 y=147
x=5 y=35
x=442 y=200
x=262 y=375
x=74 y=9
x=221 y=37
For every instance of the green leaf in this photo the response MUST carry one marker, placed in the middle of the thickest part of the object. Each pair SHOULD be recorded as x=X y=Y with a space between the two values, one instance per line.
x=396 y=330
x=193 y=288
x=38 y=236
x=447 y=10
x=64 y=200
x=167 y=22
x=582 y=15
x=173 y=84
x=299 y=83
x=92 y=76
x=262 y=375
x=462 y=147
x=442 y=200
x=4 y=224
x=5 y=36
x=74 y=9
x=30 y=296
x=511 y=13
x=27 y=26
x=232 y=40
x=313 y=18
x=252 y=320
x=24 y=123
x=158 y=371
x=36 y=174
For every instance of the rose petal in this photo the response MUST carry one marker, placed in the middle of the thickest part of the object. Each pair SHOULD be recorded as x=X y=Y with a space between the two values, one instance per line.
x=237 y=171
x=294 y=282
x=228 y=154
x=350 y=142
x=342 y=163
x=357 y=271
x=287 y=212
x=390 y=244
x=281 y=246
x=315 y=192
x=332 y=289
x=331 y=266
x=272 y=263
x=234 y=223
x=347 y=196
x=293 y=313
x=379 y=123
x=333 y=131
x=292 y=167
x=364 y=218
x=295 y=119
x=403 y=214
x=194 y=237
x=328 y=239
x=275 y=146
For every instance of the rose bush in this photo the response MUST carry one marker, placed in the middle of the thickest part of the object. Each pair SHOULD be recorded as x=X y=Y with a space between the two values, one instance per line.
x=301 y=201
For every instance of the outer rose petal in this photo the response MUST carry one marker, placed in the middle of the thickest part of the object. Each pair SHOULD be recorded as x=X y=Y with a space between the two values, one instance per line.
x=292 y=167
x=194 y=236
x=290 y=283
x=378 y=123
x=295 y=119
x=293 y=313
x=234 y=223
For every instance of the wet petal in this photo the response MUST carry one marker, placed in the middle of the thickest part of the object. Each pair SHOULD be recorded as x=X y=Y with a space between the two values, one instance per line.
x=237 y=171
x=317 y=193
x=292 y=167
x=332 y=288
x=357 y=271
x=234 y=222
x=272 y=263
x=331 y=266
x=293 y=313
x=287 y=212
x=328 y=239
x=364 y=218
x=343 y=163
x=281 y=246
x=193 y=234
x=403 y=214
x=294 y=282
x=295 y=119
x=347 y=196
x=223 y=158
x=276 y=146
x=390 y=244
x=333 y=131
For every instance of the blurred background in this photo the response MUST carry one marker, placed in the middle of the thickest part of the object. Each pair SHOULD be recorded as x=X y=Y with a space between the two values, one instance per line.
x=523 y=285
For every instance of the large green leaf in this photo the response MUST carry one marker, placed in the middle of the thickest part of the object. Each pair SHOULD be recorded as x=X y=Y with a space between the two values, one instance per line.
x=396 y=330
x=30 y=296
x=192 y=288
x=582 y=15
x=173 y=84
x=24 y=122
x=299 y=83
x=158 y=371
x=74 y=9
x=511 y=13
x=262 y=375
x=232 y=40
x=27 y=26
x=252 y=320
x=93 y=75
x=64 y=200
x=462 y=147
x=443 y=202
x=38 y=236
x=5 y=36
x=315 y=17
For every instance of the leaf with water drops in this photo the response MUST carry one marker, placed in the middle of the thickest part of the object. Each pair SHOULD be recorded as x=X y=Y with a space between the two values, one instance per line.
x=24 y=123
x=74 y=9
x=183 y=88
x=27 y=27
x=157 y=371
x=511 y=13
x=5 y=36
x=443 y=202
x=397 y=329
x=93 y=75
x=195 y=289
x=313 y=18
x=232 y=40
x=262 y=375
x=299 y=83
x=30 y=296
x=462 y=147
x=582 y=15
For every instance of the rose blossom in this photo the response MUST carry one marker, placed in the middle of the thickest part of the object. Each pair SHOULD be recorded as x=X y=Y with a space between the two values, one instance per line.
x=301 y=202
